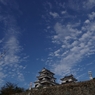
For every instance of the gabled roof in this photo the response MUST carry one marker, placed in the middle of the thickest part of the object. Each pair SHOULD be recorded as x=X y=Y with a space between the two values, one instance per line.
x=44 y=70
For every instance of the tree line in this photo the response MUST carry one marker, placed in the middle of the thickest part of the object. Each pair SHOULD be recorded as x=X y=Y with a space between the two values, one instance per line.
x=10 y=88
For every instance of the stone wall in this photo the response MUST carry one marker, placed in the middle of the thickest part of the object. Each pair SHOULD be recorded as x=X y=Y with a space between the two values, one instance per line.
x=80 y=88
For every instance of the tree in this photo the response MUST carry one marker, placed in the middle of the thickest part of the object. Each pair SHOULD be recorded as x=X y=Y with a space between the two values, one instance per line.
x=10 y=88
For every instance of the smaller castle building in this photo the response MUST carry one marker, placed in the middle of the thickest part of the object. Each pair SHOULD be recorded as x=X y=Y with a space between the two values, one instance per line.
x=45 y=79
x=68 y=79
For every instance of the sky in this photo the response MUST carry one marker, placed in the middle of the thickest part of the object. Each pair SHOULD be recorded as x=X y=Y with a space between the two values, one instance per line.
x=56 y=34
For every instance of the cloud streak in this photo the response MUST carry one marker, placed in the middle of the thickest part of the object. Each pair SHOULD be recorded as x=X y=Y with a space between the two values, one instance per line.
x=75 y=45
x=73 y=38
x=10 y=62
x=89 y=4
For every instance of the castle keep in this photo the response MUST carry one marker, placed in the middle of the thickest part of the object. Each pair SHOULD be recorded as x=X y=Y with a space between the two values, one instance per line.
x=45 y=79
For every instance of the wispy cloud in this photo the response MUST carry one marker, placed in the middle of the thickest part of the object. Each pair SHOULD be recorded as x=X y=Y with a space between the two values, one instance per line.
x=54 y=14
x=63 y=12
x=78 y=5
x=92 y=16
x=1 y=40
x=89 y=4
x=73 y=40
x=75 y=45
x=10 y=3
x=10 y=62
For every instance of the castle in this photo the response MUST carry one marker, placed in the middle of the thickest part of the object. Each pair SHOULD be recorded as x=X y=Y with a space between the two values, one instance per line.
x=46 y=78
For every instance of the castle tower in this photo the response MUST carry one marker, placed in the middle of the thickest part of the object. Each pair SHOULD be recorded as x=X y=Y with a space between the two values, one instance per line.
x=68 y=79
x=45 y=79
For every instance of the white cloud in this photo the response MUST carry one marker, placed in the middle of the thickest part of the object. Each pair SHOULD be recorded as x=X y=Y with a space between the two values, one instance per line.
x=1 y=79
x=10 y=62
x=12 y=48
x=54 y=14
x=82 y=75
x=87 y=21
x=12 y=4
x=80 y=5
x=56 y=53
x=1 y=40
x=74 y=36
x=63 y=12
x=92 y=16
x=89 y=4
x=65 y=32
x=49 y=4
x=75 y=44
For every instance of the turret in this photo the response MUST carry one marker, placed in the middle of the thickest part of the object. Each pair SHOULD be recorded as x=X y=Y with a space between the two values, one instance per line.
x=68 y=79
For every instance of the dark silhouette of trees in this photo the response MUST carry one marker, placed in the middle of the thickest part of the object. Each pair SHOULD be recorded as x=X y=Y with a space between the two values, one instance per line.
x=10 y=88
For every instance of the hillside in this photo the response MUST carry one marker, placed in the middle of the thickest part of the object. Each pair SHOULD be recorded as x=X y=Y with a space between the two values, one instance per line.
x=79 y=88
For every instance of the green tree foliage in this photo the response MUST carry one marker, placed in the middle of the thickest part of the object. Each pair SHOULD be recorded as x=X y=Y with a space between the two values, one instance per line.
x=10 y=88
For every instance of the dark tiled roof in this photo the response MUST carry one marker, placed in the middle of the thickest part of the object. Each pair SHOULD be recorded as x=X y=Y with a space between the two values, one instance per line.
x=69 y=77
x=46 y=70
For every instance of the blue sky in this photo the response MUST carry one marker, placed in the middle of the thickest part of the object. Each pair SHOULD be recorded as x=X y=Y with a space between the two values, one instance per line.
x=56 y=34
